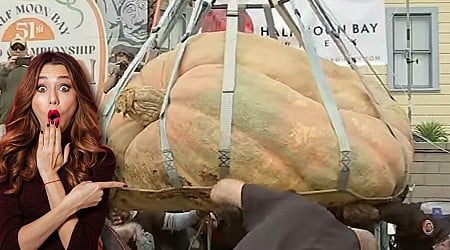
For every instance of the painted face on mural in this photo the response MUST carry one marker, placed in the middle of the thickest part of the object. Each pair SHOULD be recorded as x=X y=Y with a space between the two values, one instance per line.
x=133 y=14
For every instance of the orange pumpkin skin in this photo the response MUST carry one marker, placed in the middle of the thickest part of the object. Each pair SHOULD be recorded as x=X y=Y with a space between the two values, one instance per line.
x=282 y=137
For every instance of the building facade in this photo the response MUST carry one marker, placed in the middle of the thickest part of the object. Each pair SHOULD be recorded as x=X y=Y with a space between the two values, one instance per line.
x=430 y=39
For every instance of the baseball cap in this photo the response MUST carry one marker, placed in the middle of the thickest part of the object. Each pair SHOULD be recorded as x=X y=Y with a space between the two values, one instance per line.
x=18 y=40
x=122 y=49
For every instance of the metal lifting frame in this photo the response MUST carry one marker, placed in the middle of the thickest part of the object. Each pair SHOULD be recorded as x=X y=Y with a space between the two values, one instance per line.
x=160 y=33
x=158 y=36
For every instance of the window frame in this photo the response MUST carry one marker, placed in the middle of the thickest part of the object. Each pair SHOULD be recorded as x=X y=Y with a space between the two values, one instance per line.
x=434 y=32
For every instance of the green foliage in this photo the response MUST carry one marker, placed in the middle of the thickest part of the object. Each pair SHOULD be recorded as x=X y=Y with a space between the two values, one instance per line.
x=433 y=131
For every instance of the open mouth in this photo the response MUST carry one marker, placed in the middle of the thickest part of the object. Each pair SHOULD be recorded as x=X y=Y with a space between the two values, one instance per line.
x=53 y=116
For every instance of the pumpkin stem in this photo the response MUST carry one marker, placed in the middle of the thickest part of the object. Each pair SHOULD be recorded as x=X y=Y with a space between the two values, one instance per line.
x=141 y=103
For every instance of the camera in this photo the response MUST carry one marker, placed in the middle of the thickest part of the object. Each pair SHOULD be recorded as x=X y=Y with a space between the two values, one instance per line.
x=122 y=65
x=24 y=60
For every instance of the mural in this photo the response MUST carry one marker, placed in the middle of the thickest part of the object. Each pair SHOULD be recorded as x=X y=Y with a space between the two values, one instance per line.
x=126 y=24
x=57 y=25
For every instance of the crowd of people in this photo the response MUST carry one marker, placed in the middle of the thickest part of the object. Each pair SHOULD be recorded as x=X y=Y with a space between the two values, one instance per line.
x=55 y=177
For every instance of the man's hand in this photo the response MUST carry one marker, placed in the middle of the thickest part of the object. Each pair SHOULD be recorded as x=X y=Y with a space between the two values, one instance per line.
x=129 y=231
x=227 y=191
x=11 y=64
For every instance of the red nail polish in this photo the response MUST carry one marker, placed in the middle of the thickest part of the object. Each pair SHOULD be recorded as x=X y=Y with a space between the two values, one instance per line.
x=48 y=125
x=42 y=132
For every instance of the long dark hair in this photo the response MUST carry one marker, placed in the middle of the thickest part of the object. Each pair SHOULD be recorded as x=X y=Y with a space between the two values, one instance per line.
x=18 y=146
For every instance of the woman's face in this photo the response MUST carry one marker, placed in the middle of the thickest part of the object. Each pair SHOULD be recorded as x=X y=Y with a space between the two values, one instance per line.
x=55 y=98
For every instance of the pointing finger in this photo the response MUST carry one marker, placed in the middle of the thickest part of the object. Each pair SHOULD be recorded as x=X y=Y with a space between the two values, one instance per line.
x=111 y=184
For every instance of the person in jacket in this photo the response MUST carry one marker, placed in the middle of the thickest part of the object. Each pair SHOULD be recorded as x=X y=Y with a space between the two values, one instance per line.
x=167 y=229
x=11 y=73
x=54 y=170
x=285 y=220
x=122 y=57
x=416 y=230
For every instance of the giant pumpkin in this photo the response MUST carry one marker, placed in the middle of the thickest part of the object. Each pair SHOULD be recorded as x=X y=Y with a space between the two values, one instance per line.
x=282 y=137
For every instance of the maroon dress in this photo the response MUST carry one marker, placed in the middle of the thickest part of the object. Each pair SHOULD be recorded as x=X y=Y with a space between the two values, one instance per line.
x=32 y=203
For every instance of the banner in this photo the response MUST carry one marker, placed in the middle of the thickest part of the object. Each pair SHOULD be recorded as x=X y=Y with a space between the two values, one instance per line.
x=126 y=24
x=362 y=20
x=73 y=27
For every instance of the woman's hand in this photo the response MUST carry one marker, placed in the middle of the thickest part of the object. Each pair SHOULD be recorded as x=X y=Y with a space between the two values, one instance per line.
x=49 y=155
x=89 y=194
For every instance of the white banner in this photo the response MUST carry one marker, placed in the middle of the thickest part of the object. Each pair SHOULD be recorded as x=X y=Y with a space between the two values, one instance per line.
x=362 y=20
x=74 y=27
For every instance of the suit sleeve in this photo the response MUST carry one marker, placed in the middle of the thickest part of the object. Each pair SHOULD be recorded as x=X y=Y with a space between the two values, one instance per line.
x=407 y=217
x=91 y=220
x=258 y=202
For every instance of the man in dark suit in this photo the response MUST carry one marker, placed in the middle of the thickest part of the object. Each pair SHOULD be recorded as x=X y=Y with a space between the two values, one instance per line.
x=284 y=220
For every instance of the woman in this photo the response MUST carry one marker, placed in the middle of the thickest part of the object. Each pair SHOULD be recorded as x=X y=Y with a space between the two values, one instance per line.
x=52 y=198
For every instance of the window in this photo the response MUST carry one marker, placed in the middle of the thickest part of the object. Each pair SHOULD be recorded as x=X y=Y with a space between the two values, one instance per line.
x=425 y=47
